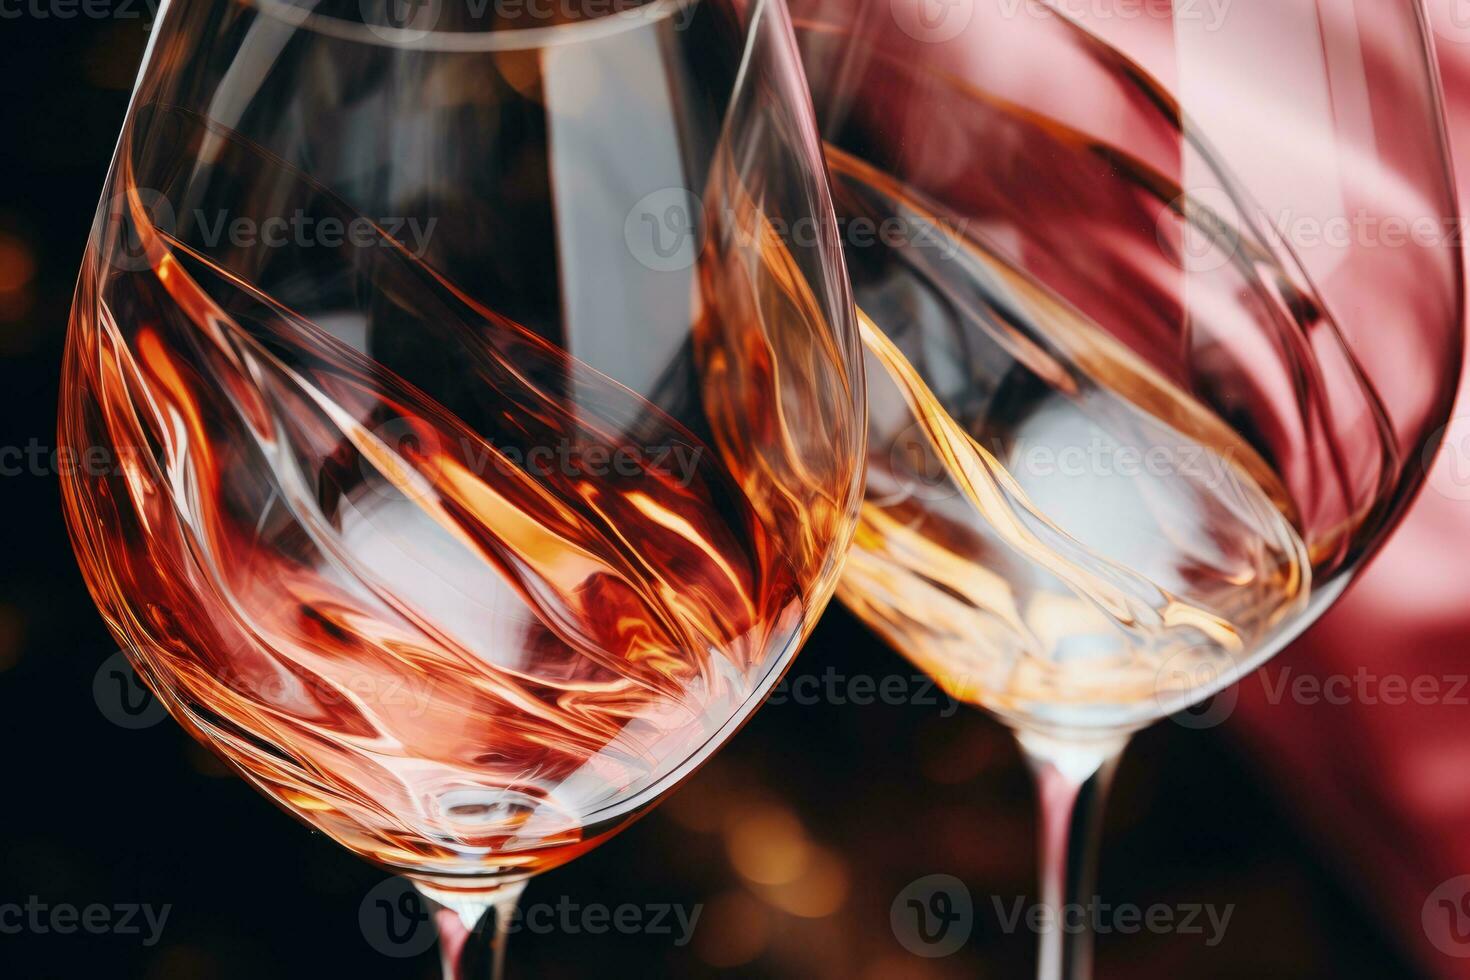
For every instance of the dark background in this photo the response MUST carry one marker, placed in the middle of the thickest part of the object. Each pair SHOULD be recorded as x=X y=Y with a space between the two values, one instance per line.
x=853 y=802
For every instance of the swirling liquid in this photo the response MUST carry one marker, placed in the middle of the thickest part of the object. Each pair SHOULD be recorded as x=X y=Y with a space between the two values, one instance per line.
x=1129 y=431
x=443 y=591
x=1054 y=528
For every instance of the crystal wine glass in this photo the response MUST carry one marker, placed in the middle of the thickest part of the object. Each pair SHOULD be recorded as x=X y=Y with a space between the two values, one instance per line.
x=483 y=457
x=1157 y=347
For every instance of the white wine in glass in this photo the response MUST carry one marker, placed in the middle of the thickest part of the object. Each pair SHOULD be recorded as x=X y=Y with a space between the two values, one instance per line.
x=1143 y=395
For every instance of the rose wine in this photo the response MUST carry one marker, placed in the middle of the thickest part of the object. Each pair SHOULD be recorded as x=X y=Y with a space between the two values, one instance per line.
x=1053 y=527
x=439 y=588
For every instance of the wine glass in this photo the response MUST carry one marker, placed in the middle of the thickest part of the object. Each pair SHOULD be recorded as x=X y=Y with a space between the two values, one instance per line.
x=482 y=455
x=1158 y=345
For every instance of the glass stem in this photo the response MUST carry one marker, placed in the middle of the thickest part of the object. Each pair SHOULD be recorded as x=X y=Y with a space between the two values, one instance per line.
x=463 y=919
x=1072 y=779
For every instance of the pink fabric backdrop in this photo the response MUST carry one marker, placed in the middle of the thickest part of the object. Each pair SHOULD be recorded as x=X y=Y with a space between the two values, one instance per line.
x=1365 y=723
x=1383 y=775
